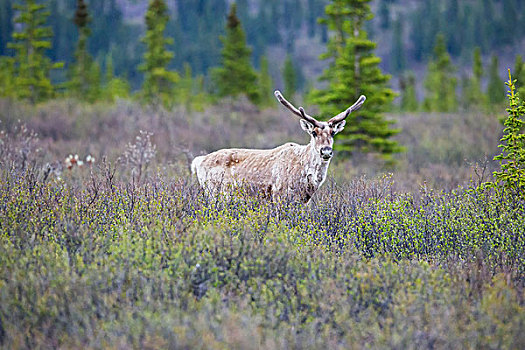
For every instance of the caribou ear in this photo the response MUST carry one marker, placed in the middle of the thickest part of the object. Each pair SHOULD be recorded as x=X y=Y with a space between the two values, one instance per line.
x=338 y=127
x=306 y=126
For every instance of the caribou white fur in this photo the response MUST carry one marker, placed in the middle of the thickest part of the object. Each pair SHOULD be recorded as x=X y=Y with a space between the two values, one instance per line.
x=290 y=170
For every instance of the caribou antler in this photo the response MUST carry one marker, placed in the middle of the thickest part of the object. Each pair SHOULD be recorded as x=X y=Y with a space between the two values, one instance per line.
x=341 y=116
x=298 y=112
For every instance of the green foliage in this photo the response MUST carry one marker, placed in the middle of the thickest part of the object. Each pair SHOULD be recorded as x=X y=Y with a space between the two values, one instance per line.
x=409 y=101
x=440 y=83
x=265 y=84
x=84 y=73
x=473 y=95
x=7 y=77
x=353 y=71
x=236 y=76
x=190 y=91
x=114 y=87
x=496 y=87
x=158 y=80
x=289 y=77
x=32 y=67
x=519 y=74
x=466 y=24
x=512 y=156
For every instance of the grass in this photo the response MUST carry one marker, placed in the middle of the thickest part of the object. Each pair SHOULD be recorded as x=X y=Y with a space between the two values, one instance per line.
x=96 y=257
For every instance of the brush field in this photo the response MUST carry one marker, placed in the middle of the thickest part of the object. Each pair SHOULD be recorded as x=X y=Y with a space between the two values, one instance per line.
x=128 y=252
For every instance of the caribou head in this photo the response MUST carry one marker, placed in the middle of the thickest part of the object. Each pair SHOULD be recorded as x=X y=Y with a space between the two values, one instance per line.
x=321 y=133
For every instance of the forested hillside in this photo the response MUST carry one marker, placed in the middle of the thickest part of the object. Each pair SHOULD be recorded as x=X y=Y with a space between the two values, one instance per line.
x=405 y=31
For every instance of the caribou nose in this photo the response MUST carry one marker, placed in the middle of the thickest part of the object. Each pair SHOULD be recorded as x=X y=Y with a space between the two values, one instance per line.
x=326 y=152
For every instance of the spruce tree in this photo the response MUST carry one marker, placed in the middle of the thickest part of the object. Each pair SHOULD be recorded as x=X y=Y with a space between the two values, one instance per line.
x=114 y=87
x=496 y=86
x=512 y=156
x=236 y=76
x=85 y=79
x=354 y=71
x=7 y=77
x=289 y=77
x=408 y=93
x=159 y=82
x=190 y=91
x=32 y=67
x=473 y=95
x=265 y=83
x=519 y=73
x=440 y=83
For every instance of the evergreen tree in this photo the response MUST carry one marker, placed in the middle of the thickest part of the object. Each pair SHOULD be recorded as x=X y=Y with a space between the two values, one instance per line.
x=496 y=87
x=7 y=76
x=158 y=80
x=115 y=87
x=289 y=77
x=353 y=71
x=190 y=90
x=512 y=156
x=84 y=79
x=473 y=94
x=32 y=67
x=236 y=76
x=408 y=93
x=265 y=83
x=519 y=73
x=440 y=83
x=398 y=61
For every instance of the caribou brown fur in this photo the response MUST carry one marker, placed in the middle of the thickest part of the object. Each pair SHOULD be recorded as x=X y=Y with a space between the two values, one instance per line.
x=290 y=170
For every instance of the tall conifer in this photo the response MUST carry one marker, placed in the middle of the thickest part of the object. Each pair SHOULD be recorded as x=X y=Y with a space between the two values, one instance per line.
x=265 y=83
x=354 y=70
x=473 y=96
x=408 y=93
x=496 y=86
x=236 y=76
x=32 y=66
x=519 y=73
x=289 y=77
x=440 y=83
x=85 y=79
x=158 y=80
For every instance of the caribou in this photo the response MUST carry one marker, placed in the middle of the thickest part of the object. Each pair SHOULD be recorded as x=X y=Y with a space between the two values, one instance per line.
x=290 y=170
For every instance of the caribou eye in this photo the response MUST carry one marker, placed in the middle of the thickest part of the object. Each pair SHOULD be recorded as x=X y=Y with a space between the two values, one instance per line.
x=314 y=134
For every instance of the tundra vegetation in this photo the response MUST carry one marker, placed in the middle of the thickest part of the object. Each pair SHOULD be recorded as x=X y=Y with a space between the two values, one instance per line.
x=123 y=248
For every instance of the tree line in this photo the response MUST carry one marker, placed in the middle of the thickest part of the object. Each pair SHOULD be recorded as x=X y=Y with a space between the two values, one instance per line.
x=444 y=92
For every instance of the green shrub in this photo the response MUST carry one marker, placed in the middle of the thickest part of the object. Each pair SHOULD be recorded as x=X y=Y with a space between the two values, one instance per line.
x=512 y=157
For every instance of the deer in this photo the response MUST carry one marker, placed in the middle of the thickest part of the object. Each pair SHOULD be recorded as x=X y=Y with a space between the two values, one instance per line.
x=290 y=171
